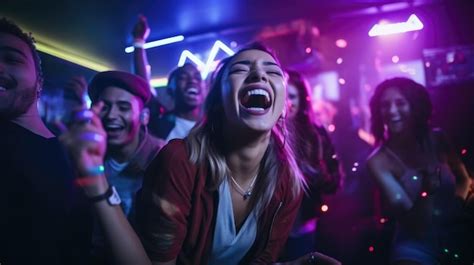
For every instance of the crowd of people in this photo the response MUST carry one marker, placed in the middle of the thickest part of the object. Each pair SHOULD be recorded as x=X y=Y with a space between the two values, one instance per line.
x=232 y=174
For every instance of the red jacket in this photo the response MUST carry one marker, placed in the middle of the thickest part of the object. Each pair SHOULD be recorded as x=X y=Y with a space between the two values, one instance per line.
x=178 y=212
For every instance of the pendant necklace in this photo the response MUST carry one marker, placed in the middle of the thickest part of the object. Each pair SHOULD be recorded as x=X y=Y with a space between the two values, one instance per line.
x=245 y=193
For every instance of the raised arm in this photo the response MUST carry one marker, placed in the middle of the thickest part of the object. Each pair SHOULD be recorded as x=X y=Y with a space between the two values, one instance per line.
x=86 y=143
x=140 y=33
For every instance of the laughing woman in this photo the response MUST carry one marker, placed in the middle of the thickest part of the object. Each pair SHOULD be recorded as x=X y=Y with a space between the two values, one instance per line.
x=228 y=193
x=423 y=180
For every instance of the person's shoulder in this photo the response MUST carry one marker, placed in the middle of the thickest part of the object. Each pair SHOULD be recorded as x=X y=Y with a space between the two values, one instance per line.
x=438 y=135
x=169 y=117
x=377 y=156
x=286 y=175
x=173 y=157
x=440 y=140
x=376 y=153
x=174 y=149
x=156 y=142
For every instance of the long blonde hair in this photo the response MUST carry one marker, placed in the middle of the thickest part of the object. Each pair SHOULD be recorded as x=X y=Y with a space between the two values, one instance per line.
x=205 y=144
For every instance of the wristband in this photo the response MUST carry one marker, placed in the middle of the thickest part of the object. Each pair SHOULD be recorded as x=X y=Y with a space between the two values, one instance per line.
x=87 y=181
x=110 y=195
x=95 y=171
x=91 y=177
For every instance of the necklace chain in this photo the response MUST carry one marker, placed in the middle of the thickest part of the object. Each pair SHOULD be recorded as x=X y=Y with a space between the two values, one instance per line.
x=245 y=193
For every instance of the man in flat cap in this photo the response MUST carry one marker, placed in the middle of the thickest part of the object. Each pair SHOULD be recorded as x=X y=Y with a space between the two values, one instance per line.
x=129 y=146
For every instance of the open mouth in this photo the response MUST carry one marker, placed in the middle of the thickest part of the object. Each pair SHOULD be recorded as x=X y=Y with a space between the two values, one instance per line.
x=192 y=91
x=113 y=128
x=395 y=122
x=255 y=99
x=5 y=84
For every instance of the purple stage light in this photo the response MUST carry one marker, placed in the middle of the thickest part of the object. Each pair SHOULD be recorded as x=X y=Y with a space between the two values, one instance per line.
x=412 y=24
x=324 y=208
x=332 y=128
x=341 y=43
x=395 y=59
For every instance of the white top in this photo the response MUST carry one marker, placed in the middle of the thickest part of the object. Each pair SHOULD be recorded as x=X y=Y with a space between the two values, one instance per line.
x=115 y=166
x=229 y=247
x=181 y=129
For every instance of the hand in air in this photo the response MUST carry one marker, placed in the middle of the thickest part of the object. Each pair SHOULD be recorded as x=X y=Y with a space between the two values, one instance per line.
x=85 y=141
x=141 y=30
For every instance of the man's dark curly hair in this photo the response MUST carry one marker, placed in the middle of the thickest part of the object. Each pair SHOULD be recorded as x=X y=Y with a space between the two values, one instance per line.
x=9 y=27
x=417 y=97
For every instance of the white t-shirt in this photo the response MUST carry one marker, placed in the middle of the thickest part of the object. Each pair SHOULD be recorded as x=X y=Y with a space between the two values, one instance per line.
x=181 y=129
x=115 y=166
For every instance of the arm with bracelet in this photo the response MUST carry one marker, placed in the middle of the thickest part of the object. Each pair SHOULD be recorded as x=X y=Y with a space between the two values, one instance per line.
x=140 y=33
x=86 y=143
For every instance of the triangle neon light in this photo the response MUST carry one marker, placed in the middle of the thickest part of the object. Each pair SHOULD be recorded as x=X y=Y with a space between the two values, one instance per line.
x=412 y=24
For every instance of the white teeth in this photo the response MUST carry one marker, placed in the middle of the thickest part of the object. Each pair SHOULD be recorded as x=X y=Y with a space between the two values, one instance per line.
x=192 y=90
x=259 y=91
x=256 y=109
x=113 y=126
x=2 y=88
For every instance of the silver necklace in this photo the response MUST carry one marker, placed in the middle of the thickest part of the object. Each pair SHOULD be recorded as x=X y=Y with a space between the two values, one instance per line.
x=245 y=193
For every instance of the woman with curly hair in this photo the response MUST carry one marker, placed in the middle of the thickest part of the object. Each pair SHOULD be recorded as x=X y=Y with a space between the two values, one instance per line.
x=423 y=181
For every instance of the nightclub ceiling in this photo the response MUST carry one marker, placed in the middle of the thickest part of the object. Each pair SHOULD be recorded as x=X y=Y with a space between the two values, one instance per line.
x=99 y=31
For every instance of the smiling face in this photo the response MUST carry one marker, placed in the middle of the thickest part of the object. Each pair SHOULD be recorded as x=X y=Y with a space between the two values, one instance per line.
x=396 y=111
x=253 y=91
x=18 y=77
x=120 y=115
x=189 y=91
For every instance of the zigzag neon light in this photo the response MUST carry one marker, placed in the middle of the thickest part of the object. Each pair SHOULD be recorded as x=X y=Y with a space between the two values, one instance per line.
x=211 y=63
x=412 y=24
